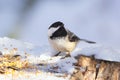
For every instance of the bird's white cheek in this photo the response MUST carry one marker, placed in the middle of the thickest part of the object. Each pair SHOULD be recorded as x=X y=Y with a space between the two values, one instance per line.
x=52 y=30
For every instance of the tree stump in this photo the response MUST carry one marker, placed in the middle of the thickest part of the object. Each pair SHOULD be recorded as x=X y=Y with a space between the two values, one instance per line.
x=89 y=68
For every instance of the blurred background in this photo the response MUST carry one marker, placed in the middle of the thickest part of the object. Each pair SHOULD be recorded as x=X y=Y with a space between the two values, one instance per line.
x=28 y=20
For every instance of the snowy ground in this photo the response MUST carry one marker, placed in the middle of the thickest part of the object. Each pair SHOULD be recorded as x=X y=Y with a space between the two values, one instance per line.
x=42 y=65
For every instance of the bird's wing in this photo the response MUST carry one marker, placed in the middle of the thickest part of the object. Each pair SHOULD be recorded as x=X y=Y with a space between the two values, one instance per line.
x=72 y=37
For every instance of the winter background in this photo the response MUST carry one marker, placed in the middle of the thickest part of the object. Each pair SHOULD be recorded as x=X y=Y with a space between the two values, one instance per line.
x=27 y=22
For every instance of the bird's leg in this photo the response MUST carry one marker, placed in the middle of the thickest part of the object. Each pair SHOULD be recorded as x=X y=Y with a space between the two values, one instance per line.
x=57 y=54
x=67 y=55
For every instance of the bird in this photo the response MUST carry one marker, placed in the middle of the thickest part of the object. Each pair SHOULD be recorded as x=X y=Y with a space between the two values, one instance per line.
x=62 y=39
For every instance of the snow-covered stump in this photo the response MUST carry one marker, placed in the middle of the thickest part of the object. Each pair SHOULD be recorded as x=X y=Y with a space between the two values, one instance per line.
x=89 y=68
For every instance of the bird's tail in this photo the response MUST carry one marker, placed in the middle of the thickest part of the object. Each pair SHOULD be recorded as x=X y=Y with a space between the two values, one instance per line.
x=91 y=42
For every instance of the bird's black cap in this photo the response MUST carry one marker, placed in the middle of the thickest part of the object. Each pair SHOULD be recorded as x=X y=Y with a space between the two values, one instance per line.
x=56 y=24
x=61 y=32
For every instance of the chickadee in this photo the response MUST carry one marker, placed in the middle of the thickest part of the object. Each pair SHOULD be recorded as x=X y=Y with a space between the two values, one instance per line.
x=63 y=40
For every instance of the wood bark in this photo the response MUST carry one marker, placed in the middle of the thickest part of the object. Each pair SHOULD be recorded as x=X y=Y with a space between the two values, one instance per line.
x=88 y=68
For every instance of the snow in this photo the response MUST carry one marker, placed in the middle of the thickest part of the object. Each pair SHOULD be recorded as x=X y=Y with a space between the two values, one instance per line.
x=45 y=66
x=31 y=76
x=98 y=50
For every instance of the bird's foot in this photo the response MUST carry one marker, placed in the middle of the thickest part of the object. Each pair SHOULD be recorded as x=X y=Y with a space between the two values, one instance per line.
x=68 y=55
x=57 y=54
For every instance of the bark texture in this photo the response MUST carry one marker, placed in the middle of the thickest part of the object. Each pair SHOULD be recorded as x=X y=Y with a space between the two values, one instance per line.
x=88 y=68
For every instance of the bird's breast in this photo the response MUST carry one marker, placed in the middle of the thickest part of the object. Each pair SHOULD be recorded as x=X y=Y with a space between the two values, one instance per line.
x=62 y=44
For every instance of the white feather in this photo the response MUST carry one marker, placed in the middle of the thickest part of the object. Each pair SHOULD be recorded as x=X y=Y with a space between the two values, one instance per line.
x=52 y=30
x=62 y=44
